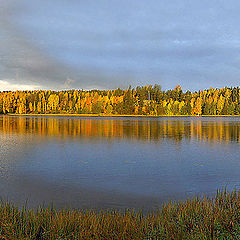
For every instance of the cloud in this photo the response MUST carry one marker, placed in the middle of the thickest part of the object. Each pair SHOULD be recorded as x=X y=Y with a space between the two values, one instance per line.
x=22 y=54
x=49 y=43
x=68 y=83
x=7 y=86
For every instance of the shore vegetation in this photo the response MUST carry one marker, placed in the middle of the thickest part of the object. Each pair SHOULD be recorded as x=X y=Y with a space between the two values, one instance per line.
x=215 y=217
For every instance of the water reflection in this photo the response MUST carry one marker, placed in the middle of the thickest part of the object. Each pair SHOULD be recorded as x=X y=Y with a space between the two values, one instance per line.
x=116 y=162
x=205 y=129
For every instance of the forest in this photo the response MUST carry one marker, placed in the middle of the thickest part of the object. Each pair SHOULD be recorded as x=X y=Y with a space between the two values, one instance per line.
x=143 y=100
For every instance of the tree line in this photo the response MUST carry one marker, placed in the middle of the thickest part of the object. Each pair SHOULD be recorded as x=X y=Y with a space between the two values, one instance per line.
x=142 y=100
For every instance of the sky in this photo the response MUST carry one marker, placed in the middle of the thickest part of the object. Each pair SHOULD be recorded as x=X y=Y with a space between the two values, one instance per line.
x=105 y=44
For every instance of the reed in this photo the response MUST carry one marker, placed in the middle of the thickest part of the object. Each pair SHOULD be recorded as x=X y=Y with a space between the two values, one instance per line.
x=205 y=217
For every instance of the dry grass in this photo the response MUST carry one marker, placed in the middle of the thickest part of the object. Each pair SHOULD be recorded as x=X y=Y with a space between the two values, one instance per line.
x=199 y=218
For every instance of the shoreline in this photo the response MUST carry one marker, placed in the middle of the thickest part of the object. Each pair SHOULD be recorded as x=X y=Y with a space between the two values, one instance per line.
x=115 y=115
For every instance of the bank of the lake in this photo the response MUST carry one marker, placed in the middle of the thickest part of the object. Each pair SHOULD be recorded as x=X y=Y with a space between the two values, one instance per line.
x=114 y=115
x=198 y=218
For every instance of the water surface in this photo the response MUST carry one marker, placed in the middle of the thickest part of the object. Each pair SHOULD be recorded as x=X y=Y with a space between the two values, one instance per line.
x=101 y=163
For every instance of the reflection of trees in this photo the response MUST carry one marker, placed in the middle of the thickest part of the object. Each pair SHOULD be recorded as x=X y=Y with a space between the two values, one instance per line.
x=151 y=130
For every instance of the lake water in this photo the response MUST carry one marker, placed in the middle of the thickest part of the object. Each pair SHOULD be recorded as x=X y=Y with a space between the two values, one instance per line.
x=101 y=163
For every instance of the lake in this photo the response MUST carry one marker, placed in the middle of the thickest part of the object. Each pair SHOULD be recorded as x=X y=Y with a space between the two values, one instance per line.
x=119 y=162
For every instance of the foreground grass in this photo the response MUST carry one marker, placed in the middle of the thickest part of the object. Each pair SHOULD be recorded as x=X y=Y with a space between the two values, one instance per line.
x=199 y=218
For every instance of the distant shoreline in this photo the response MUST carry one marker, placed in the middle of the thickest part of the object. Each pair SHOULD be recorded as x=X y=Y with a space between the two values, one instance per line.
x=113 y=115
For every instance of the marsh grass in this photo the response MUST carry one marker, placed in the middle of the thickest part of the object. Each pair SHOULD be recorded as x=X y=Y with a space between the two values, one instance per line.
x=215 y=217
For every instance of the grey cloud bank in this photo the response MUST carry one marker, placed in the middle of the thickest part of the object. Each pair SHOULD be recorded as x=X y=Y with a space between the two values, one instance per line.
x=109 y=44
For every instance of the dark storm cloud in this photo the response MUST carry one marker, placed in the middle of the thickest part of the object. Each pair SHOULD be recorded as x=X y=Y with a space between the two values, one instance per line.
x=82 y=44
x=21 y=62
